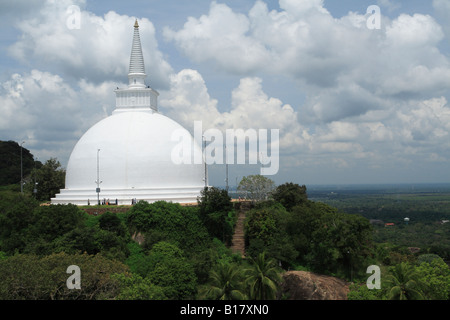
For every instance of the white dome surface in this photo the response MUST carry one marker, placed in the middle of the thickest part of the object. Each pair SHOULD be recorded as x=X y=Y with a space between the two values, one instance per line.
x=136 y=145
x=134 y=162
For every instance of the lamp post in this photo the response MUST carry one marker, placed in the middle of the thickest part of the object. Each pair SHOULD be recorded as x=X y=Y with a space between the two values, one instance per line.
x=226 y=169
x=98 y=178
x=35 y=182
x=21 y=168
x=204 y=153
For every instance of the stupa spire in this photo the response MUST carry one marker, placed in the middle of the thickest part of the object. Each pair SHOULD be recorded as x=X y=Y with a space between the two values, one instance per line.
x=136 y=72
x=138 y=96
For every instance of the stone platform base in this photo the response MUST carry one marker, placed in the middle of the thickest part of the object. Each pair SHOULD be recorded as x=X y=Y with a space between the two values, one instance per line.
x=127 y=196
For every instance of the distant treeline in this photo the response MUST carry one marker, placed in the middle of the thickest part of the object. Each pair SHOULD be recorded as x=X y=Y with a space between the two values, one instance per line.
x=420 y=206
x=10 y=155
x=427 y=209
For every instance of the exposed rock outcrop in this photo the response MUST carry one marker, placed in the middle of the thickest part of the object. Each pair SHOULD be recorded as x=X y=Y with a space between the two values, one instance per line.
x=303 y=285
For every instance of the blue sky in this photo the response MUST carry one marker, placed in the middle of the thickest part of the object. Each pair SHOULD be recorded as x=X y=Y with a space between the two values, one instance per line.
x=353 y=105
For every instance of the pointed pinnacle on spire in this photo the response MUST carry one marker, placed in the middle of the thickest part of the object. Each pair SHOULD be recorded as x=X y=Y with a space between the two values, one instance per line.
x=138 y=96
x=136 y=58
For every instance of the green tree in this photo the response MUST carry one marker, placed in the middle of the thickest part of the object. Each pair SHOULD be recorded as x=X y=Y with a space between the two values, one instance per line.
x=134 y=287
x=48 y=224
x=111 y=245
x=404 y=283
x=256 y=187
x=330 y=241
x=436 y=273
x=171 y=222
x=14 y=222
x=216 y=211
x=214 y=199
x=79 y=239
x=225 y=283
x=10 y=155
x=290 y=195
x=262 y=223
x=263 y=278
x=167 y=267
x=111 y=222
x=29 y=228
x=265 y=230
x=361 y=292
x=30 y=277
x=428 y=257
x=50 y=179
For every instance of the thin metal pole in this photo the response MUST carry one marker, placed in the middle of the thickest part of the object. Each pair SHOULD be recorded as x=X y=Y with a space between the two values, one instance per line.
x=21 y=168
x=226 y=169
x=204 y=153
x=98 y=178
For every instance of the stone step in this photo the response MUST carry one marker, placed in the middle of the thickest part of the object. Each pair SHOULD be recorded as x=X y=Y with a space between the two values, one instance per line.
x=238 y=241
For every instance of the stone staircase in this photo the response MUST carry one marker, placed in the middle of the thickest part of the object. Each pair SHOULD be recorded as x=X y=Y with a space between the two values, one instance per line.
x=238 y=241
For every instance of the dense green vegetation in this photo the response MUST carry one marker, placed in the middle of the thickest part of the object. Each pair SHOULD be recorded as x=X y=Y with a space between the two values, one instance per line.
x=426 y=208
x=184 y=250
x=10 y=153
x=412 y=253
x=17 y=164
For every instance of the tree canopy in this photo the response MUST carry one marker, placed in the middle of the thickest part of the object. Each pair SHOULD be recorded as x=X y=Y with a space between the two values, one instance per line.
x=186 y=254
x=255 y=187
x=290 y=195
x=216 y=212
x=10 y=153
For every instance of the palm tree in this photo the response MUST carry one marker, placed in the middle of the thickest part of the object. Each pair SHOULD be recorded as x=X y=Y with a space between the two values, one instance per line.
x=225 y=283
x=263 y=278
x=404 y=283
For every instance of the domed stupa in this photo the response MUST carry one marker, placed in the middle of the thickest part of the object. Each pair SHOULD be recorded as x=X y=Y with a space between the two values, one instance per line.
x=127 y=156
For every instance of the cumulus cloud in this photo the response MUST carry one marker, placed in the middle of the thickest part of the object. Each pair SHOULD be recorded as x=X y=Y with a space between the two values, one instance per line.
x=251 y=108
x=338 y=63
x=374 y=98
x=93 y=50
x=49 y=113
x=188 y=100
x=73 y=72
x=371 y=94
x=427 y=121
x=221 y=35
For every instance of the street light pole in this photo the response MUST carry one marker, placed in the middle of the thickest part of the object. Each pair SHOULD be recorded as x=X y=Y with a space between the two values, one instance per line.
x=204 y=154
x=35 y=182
x=21 y=168
x=226 y=169
x=98 y=178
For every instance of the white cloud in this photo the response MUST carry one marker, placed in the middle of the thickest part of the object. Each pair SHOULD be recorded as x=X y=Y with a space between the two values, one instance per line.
x=98 y=50
x=251 y=108
x=374 y=98
x=303 y=8
x=341 y=131
x=188 y=100
x=50 y=114
x=414 y=31
x=222 y=35
x=74 y=73
x=345 y=69
x=427 y=122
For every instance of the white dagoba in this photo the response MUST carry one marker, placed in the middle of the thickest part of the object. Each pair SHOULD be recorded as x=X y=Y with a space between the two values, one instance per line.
x=128 y=155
